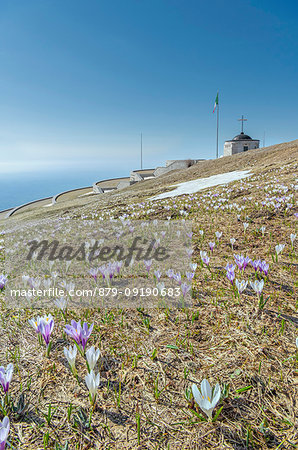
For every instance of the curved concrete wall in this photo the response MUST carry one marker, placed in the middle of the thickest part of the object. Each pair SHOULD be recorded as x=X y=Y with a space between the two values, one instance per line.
x=63 y=196
x=71 y=194
x=124 y=183
x=142 y=174
x=111 y=182
x=4 y=213
x=98 y=187
x=174 y=165
x=29 y=206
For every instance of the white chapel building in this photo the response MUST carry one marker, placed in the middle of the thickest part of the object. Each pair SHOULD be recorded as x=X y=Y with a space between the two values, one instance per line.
x=240 y=143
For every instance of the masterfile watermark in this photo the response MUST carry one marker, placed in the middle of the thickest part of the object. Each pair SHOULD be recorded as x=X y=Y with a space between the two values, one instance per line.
x=140 y=249
x=92 y=263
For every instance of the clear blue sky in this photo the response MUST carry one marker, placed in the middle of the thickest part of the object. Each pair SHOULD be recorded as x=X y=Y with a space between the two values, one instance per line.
x=80 y=80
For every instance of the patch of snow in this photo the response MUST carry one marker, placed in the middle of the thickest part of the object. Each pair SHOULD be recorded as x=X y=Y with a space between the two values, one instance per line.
x=190 y=187
x=87 y=193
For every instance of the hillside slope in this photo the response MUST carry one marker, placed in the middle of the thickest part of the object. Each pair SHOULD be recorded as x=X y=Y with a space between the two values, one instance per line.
x=239 y=332
x=256 y=160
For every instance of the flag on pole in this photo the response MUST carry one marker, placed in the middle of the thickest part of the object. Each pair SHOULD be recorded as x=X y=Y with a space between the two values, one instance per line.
x=215 y=103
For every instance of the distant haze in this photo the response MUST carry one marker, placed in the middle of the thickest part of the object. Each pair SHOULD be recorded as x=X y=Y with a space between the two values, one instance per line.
x=81 y=80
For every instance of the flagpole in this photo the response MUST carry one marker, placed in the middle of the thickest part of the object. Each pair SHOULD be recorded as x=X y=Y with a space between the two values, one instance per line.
x=141 y=150
x=217 y=127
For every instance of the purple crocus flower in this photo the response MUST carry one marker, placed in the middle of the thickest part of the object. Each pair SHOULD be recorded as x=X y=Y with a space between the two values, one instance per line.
x=74 y=331
x=93 y=273
x=247 y=260
x=3 y=281
x=85 y=333
x=118 y=266
x=206 y=260
x=211 y=245
x=177 y=277
x=189 y=275
x=4 y=431
x=241 y=261
x=148 y=264
x=264 y=267
x=170 y=273
x=157 y=274
x=46 y=329
x=256 y=264
x=189 y=252
x=5 y=377
x=103 y=271
x=111 y=270
x=79 y=333
x=230 y=276
x=230 y=268
x=185 y=288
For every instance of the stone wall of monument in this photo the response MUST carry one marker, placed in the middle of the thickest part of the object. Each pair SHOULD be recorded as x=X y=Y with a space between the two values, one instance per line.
x=234 y=147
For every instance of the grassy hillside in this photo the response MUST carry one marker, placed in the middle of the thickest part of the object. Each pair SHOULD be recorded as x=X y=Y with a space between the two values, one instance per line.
x=150 y=358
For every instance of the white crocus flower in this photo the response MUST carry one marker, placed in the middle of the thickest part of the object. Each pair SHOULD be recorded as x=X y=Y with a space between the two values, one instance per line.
x=35 y=323
x=207 y=399
x=67 y=286
x=25 y=279
x=245 y=225
x=6 y=376
x=257 y=286
x=92 y=356
x=292 y=237
x=203 y=254
x=161 y=288
x=71 y=354
x=4 y=431
x=47 y=283
x=61 y=303
x=241 y=285
x=232 y=241
x=279 y=248
x=45 y=319
x=297 y=342
x=92 y=382
x=263 y=228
